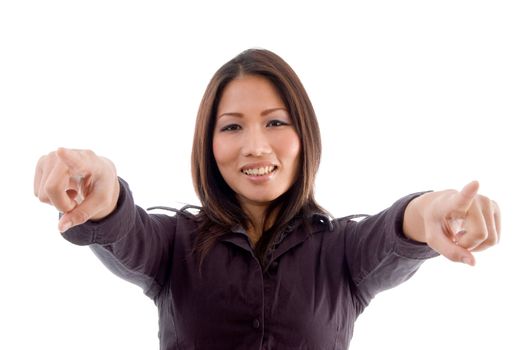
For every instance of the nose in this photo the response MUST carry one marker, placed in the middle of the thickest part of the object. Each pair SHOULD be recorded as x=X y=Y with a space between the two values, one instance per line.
x=255 y=143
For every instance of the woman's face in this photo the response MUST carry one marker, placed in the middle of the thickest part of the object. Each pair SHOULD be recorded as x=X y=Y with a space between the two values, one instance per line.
x=255 y=144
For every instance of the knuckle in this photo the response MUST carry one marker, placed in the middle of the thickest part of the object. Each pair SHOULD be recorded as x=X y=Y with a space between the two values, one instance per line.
x=50 y=157
x=89 y=154
x=43 y=162
x=486 y=202
x=42 y=159
x=484 y=199
x=492 y=240
x=52 y=190
x=473 y=241
x=43 y=198
x=495 y=206
x=480 y=236
x=110 y=165
x=485 y=235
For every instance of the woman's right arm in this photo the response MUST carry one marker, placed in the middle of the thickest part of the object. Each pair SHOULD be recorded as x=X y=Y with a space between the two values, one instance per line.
x=98 y=210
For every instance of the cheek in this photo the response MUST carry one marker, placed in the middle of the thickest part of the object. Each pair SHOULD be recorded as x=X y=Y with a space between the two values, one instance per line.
x=222 y=150
x=218 y=149
x=291 y=146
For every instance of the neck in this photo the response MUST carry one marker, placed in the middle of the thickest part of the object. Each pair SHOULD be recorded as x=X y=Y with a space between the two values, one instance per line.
x=256 y=214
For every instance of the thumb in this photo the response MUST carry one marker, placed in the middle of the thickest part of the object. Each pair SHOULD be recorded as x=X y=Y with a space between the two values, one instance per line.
x=84 y=211
x=97 y=205
x=463 y=199
x=443 y=245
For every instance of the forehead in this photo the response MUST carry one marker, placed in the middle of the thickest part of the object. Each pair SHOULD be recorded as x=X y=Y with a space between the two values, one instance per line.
x=249 y=92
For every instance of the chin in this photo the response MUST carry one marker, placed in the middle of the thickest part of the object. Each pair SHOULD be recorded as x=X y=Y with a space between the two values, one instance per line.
x=260 y=199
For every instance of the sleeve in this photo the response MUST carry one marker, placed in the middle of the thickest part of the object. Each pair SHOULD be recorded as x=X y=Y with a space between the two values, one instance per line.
x=378 y=254
x=131 y=243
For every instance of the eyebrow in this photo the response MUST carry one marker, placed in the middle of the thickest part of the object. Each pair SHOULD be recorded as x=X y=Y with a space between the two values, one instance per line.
x=264 y=113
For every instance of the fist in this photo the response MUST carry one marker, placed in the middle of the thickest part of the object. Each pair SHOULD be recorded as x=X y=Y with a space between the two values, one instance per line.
x=80 y=184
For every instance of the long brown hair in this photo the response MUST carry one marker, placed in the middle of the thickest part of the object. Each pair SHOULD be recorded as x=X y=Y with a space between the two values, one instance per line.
x=221 y=210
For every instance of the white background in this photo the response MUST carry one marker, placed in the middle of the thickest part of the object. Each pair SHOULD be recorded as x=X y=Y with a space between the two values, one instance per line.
x=410 y=96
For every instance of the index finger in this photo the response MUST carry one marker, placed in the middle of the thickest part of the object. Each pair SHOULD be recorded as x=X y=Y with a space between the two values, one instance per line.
x=462 y=200
x=74 y=160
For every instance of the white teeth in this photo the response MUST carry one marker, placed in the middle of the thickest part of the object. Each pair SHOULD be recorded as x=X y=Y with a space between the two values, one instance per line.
x=259 y=171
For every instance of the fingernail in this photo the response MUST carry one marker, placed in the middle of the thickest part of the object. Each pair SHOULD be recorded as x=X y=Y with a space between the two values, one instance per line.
x=467 y=260
x=65 y=226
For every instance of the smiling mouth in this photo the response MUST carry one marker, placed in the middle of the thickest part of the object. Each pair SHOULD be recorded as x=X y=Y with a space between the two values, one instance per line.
x=260 y=171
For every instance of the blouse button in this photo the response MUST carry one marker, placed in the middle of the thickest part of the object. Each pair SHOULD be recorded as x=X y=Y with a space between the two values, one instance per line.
x=274 y=265
x=255 y=323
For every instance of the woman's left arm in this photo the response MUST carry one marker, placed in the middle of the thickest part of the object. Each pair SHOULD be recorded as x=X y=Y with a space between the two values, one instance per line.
x=454 y=223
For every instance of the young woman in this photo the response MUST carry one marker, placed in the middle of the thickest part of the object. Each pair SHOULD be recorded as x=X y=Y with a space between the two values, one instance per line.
x=261 y=265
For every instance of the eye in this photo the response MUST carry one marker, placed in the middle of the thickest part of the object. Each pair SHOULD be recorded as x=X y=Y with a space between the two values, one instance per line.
x=276 y=122
x=231 y=127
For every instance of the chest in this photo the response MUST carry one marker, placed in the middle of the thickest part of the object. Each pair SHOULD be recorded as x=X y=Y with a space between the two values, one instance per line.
x=303 y=297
